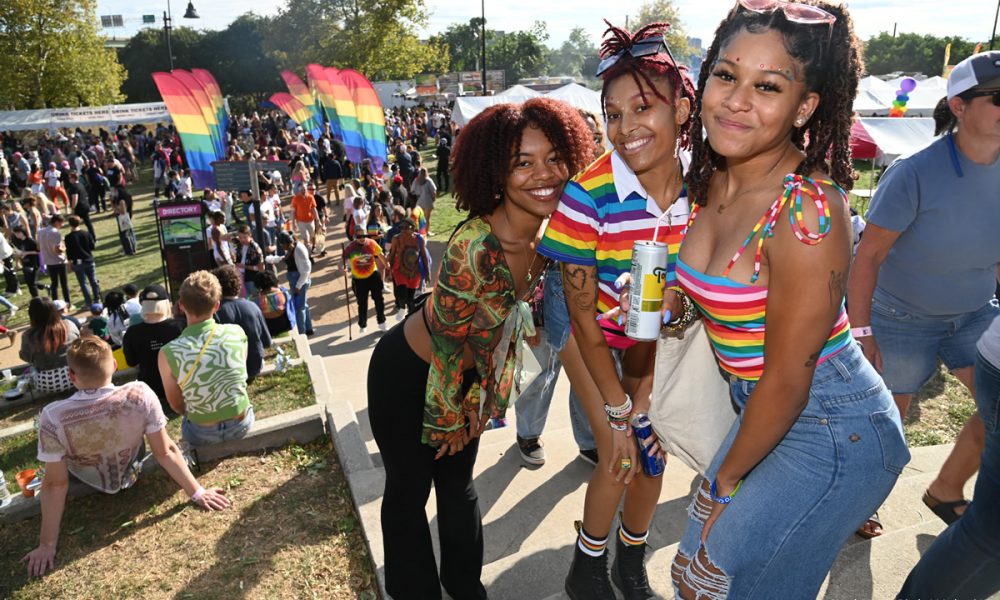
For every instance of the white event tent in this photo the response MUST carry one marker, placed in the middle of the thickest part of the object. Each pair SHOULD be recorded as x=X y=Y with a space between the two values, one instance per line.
x=573 y=94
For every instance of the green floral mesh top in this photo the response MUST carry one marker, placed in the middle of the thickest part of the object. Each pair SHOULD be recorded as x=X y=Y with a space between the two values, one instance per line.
x=473 y=302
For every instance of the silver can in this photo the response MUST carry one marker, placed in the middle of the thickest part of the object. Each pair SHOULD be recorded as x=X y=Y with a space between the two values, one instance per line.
x=649 y=273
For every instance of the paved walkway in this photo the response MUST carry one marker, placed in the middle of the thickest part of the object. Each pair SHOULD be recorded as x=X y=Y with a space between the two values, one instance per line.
x=528 y=514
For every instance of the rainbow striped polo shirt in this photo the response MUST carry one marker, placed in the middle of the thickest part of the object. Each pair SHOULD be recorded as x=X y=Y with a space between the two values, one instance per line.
x=603 y=211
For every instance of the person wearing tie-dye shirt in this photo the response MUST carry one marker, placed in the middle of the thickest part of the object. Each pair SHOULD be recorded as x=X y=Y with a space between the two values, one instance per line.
x=632 y=193
x=367 y=263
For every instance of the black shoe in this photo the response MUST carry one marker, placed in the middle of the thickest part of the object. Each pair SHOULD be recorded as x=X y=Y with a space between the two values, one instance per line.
x=589 y=455
x=588 y=577
x=531 y=451
x=628 y=571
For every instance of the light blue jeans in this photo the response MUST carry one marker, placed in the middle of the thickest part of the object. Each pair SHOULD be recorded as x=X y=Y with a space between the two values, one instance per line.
x=303 y=317
x=206 y=435
x=964 y=561
x=838 y=462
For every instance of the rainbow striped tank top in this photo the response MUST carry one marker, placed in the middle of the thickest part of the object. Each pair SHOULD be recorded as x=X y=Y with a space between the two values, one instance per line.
x=734 y=312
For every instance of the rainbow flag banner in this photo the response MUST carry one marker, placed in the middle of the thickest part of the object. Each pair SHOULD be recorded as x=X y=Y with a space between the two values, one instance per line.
x=189 y=119
x=299 y=112
x=323 y=91
x=347 y=114
x=211 y=87
x=204 y=100
x=303 y=94
x=370 y=116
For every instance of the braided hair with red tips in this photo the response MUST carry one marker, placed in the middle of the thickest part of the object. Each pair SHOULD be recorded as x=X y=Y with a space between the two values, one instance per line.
x=618 y=40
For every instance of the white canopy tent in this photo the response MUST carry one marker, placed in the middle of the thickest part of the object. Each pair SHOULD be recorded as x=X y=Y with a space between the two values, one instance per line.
x=897 y=137
x=573 y=94
x=87 y=116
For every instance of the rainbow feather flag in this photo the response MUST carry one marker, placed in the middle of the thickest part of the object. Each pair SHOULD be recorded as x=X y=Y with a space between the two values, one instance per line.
x=303 y=94
x=347 y=115
x=323 y=91
x=189 y=120
x=204 y=101
x=370 y=116
x=300 y=113
x=211 y=87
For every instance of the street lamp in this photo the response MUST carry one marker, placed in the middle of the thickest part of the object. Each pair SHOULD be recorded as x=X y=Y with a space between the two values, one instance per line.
x=168 y=21
x=483 y=36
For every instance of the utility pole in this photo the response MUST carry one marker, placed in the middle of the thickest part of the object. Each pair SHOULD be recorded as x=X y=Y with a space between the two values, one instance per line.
x=483 y=40
x=995 y=17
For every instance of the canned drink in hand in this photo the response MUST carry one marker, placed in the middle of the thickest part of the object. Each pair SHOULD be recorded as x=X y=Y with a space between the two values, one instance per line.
x=642 y=428
x=649 y=274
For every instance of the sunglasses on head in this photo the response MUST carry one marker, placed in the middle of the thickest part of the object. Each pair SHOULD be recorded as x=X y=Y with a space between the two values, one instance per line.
x=794 y=11
x=994 y=93
x=646 y=47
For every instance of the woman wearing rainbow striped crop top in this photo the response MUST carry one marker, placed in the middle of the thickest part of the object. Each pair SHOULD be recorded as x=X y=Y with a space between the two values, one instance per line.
x=818 y=443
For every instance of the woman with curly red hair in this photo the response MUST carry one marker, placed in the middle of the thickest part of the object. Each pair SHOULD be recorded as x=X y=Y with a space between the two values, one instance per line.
x=634 y=192
x=435 y=380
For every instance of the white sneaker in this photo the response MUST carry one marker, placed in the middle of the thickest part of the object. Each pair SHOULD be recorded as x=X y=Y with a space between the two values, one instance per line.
x=382 y=326
x=400 y=315
x=362 y=329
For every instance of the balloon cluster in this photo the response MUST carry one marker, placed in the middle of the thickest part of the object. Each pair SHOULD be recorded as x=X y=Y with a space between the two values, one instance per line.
x=906 y=86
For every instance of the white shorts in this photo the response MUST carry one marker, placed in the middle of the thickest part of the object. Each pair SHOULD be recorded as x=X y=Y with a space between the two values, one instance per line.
x=306 y=228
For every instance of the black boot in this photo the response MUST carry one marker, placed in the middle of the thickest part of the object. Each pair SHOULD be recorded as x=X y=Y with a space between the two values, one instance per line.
x=588 y=577
x=628 y=571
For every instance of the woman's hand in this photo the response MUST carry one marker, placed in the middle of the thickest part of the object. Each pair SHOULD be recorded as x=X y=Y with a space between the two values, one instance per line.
x=213 y=499
x=623 y=449
x=722 y=489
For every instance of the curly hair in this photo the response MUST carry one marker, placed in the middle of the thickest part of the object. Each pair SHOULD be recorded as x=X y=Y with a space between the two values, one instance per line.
x=481 y=160
x=644 y=68
x=944 y=119
x=831 y=57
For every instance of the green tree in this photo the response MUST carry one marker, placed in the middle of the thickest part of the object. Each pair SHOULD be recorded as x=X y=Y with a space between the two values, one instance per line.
x=146 y=53
x=664 y=11
x=569 y=58
x=463 y=44
x=520 y=53
x=53 y=56
x=912 y=53
x=376 y=37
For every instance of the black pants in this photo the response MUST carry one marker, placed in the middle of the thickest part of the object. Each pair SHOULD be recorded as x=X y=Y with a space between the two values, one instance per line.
x=397 y=382
x=443 y=177
x=98 y=198
x=10 y=276
x=57 y=273
x=30 y=278
x=404 y=297
x=362 y=289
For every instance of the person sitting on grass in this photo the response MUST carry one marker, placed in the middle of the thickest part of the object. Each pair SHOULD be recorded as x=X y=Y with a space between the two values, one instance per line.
x=204 y=371
x=97 y=436
x=275 y=303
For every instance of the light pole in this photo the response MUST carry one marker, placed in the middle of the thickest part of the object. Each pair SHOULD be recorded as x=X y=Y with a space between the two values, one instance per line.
x=483 y=40
x=168 y=22
x=995 y=17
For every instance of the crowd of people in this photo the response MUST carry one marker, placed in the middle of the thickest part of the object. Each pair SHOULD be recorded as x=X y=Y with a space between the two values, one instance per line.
x=742 y=176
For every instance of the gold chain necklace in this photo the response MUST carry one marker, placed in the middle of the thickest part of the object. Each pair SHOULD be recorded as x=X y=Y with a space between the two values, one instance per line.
x=527 y=249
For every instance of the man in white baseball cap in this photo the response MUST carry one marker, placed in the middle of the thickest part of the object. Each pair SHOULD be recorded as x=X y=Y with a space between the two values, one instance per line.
x=978 y=75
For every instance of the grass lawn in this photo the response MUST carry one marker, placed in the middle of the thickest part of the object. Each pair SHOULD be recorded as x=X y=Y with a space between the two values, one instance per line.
x=292 y=532
x=114 y=269
x=270 y=394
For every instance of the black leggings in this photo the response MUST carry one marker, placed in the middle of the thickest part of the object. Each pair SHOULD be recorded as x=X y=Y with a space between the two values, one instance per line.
x=57 y=274
x=404 y=297
x=397 y=382
x=371 y=285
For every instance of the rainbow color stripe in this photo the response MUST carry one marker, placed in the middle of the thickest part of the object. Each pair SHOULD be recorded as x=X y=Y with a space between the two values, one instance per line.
x=347 y=114
x=371 y=118
x=204 y=100
x=323 y=91
x=302 y=93
x=211 y=87
x=300 y=113
x=189 y=119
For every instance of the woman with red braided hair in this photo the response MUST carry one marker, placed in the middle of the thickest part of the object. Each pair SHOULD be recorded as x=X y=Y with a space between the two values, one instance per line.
x=818 y=443
x=635 y=192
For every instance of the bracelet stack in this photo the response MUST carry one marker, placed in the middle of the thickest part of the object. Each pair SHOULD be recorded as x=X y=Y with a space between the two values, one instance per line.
x=688 y=313
x=618 y=415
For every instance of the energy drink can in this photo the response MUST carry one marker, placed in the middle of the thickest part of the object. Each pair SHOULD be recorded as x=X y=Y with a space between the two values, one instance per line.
x=642 y=428
x=649 y=272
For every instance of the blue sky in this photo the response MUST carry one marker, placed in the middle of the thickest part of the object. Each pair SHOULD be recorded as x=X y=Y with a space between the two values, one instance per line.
x=972 y=19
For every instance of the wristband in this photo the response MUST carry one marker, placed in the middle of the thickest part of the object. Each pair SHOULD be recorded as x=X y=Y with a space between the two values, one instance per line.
x=621 y=411
x=195 y=497
x=860 y=332
x=724 y=499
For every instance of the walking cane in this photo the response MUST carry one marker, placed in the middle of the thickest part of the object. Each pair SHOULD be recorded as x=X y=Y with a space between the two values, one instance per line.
x=347 y=290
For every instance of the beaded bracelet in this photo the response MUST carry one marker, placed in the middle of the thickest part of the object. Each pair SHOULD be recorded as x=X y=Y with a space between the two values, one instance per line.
x=714 y=490
x=688 y=313
x=621 y=411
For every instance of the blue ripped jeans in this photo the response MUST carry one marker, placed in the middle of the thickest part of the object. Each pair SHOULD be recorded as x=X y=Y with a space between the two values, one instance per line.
x=838 y=462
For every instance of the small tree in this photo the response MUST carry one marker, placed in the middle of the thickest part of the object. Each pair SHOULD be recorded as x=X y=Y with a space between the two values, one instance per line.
x=664 y=11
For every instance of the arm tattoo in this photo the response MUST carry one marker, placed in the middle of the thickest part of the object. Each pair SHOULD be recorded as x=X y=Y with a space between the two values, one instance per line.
x=582 y=292
x=838 y=286
x=812 y=360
